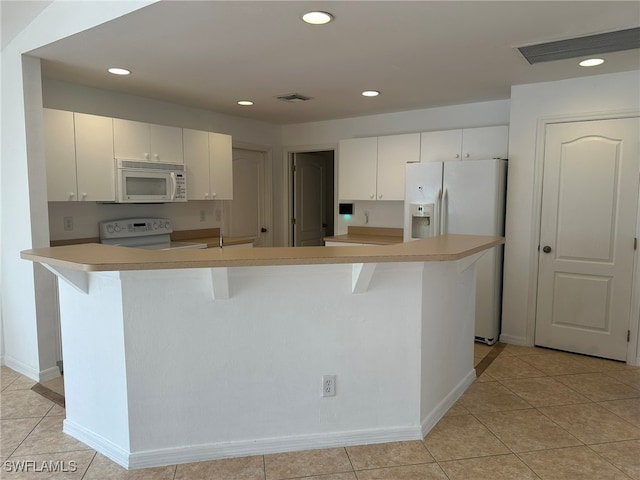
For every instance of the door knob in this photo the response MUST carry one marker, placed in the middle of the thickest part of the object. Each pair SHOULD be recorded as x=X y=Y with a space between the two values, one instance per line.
x=263 y=230
x=546 y=249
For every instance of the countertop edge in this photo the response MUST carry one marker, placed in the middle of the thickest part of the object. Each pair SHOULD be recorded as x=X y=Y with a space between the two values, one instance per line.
x=104 y=258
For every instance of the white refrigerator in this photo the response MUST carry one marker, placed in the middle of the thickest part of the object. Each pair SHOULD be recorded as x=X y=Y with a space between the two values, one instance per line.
x=466 y=197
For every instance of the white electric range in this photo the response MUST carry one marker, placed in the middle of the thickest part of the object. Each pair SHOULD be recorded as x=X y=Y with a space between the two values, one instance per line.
x=148 y=233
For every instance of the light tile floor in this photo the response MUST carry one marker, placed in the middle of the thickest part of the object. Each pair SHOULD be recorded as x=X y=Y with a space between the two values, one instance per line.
x=532 y=414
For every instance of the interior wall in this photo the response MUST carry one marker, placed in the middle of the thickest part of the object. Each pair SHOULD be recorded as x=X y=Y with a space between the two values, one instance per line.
x=587 y=96
x=23 y=184
x=328 y=133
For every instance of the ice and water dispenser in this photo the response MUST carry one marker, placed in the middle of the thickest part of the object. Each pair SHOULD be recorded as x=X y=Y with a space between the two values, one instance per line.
x=422 y=221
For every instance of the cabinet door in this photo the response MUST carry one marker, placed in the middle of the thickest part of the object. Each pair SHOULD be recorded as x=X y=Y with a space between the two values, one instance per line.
x=60 y=155
x=196 y=161
x=485 y=143
x=95 y=164
x=221 y=166
x=442 y=146
x=131 y=140
x=166 y=144
x=357 y=168
x=394 y=152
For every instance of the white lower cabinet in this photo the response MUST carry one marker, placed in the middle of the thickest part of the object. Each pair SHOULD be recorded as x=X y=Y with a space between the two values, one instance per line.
x=79 y=157
x=208 y=160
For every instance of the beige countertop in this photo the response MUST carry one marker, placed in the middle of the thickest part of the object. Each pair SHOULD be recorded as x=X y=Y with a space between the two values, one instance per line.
x=370 y=235
x=210 y=236
x=95 y=257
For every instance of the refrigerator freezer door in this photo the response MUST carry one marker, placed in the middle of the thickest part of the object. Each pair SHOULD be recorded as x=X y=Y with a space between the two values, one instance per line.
x=475 y=205
x=422 y=182
x=475 y=197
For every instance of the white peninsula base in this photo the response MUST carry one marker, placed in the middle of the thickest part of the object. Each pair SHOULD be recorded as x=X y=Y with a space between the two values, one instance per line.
x=175 y=365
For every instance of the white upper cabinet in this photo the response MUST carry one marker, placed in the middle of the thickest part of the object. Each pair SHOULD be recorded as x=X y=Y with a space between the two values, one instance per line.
x=441 y=146
x=147 y=142
x=95 y=164
x=357 y=168
x=79 y=157
x=60 y=156
x=373 y=168
x=484 y=143
x=394 y=151
x=480 y=143
x=207 y=158
x=196 y=161
x=221 y=165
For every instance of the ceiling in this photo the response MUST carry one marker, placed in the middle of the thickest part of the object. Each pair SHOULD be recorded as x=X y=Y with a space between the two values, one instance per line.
x=418 y=54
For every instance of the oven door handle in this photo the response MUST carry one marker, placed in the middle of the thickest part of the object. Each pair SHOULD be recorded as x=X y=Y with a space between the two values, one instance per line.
x=173 y=185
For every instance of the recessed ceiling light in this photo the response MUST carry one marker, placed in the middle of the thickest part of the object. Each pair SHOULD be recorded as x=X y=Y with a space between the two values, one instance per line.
x=370 y=93
x=317 y=18
x=119 y=71
x=591 y=62
x=245 y=103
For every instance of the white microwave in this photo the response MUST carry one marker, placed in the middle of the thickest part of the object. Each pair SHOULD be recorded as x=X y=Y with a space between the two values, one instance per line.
x=150 y=182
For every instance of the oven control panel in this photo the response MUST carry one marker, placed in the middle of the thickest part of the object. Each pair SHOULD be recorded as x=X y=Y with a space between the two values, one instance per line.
x=135 y=227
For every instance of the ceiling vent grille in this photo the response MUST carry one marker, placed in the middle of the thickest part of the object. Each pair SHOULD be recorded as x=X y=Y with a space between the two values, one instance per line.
x=293 y=97
x=582 y=46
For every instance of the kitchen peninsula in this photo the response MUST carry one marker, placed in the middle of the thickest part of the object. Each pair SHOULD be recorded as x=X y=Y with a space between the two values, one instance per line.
x=187 y=355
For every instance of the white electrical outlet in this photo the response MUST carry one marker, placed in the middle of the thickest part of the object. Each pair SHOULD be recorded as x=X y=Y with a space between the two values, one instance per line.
x=328 y=385
x=68 y=224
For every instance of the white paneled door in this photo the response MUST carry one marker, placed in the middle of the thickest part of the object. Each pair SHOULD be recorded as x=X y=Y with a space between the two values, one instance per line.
x=587 y=231
x=310 y=178
x=245 y=215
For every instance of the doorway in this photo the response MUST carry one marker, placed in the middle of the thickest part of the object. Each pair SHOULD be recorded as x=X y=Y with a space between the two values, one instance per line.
x=312 y=197
x=588 y=243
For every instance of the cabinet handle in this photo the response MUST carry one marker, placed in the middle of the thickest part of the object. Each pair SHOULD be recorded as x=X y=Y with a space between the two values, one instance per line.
x=72 y=194
x=380 y=196
x=457 y=155
x=146 y=155
x=206 y=195
x=84 y=195
x=213 y=194
x=466 y=155
x=372 y=196
x=156 y=156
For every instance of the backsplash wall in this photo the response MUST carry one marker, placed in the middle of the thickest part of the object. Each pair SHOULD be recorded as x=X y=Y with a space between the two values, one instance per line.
x=86 y=215
x=374 y=213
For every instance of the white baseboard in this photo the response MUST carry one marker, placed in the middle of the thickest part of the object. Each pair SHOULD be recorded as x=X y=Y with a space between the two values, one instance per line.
x=447 y=402
x=214 y=451
x=27 y=371
x=22 y=368
x=102 y=445
x=513 y=340
x=49 y=374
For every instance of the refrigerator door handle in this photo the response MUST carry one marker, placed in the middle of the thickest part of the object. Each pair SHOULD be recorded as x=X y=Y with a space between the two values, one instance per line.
x=437 y=212
x=443 y=212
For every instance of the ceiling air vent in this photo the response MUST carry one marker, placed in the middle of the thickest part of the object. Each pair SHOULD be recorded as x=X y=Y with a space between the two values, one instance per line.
x=293 y=97
x=583 y=46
